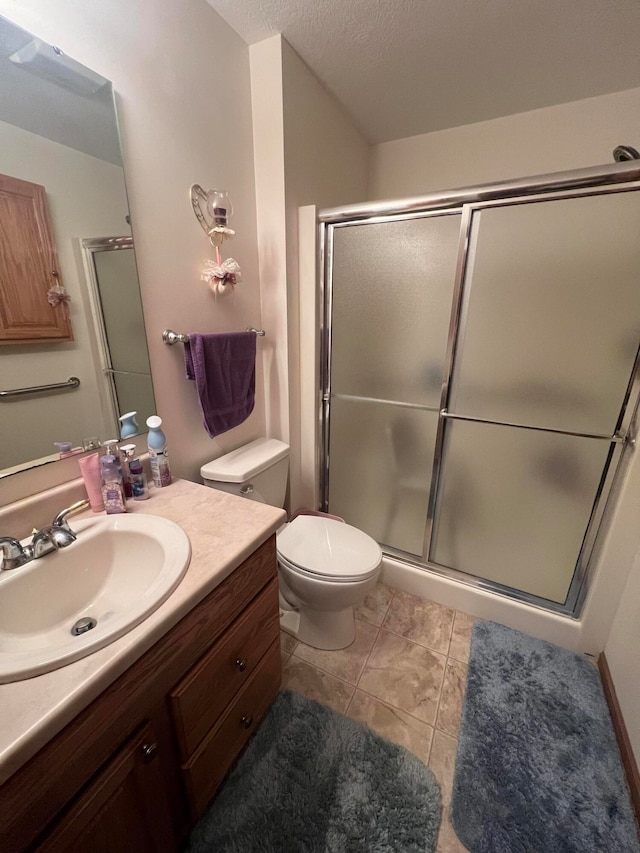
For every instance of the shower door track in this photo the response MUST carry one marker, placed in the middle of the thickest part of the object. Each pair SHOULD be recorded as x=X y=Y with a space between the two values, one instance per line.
x=610 y=178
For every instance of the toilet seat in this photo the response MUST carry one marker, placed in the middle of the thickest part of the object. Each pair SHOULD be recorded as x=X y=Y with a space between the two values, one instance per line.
x=309 y=573
x=327 y=549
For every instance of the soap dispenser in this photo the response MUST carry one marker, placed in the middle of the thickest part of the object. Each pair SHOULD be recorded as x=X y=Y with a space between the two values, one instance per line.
x=135 y=473
x=112 y=490
x=112 y=449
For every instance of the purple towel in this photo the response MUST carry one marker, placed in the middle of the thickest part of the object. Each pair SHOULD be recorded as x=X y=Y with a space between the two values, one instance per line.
x=224 y=368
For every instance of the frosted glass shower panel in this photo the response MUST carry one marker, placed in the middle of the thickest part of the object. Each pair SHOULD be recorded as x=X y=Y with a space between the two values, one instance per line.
x=381 y=459
x=514 y=505
x=552 y=308
x=117 y=280
x=392 y=293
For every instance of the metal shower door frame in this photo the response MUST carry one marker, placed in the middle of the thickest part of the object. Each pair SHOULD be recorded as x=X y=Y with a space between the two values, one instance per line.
x=607 y=179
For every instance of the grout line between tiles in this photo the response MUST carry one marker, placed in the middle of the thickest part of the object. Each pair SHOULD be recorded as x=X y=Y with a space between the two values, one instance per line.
x=395 y=708
x=453 y=622
x=416 y=642
x=394 y=591
x=375 y=640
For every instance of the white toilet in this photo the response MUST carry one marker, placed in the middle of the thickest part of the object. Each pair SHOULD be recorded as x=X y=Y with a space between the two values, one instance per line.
x=325 y=567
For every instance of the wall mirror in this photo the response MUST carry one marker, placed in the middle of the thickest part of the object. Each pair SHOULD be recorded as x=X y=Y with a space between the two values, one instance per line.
x=58 y=130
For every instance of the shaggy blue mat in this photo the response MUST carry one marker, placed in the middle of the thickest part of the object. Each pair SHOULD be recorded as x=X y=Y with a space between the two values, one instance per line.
x=313 y=781
x=538 y=768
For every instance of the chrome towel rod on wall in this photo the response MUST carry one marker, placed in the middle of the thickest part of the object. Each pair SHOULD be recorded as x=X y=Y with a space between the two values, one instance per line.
x=171 y=337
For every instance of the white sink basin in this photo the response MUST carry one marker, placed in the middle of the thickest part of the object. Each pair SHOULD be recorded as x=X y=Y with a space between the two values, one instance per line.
x=118 y=571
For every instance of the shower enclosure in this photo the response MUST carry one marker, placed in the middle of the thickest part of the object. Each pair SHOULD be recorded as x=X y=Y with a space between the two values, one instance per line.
x=480 y=375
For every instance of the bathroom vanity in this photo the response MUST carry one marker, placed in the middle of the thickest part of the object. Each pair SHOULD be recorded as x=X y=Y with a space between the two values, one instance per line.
x=125 y=748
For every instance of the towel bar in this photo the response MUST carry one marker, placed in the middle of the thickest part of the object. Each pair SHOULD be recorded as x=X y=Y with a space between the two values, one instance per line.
x=72 y=382
x=171 y=337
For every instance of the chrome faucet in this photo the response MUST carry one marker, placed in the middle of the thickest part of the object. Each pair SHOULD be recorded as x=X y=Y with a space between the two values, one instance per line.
x=54 y=536
x=12 y=552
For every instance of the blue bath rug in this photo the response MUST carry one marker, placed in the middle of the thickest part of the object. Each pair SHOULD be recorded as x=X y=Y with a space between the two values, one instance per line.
x=313 y=781
x=538 y=768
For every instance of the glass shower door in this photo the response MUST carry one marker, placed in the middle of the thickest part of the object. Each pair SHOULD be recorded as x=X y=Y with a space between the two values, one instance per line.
x=541 y=374
x=392 y=288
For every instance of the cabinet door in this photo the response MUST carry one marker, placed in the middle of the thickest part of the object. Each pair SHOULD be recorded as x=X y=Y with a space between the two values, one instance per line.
x=124 y=808
x=28 y=267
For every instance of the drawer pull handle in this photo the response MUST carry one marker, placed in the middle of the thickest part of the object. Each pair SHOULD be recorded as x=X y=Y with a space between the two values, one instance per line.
x=241 y=664
x=149 y=751
x=247 y=722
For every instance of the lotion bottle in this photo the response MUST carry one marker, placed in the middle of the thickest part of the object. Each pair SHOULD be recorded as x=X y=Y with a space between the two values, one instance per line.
x=90 y=470
x=113 y=450
x=134 y=474
x=112 y=491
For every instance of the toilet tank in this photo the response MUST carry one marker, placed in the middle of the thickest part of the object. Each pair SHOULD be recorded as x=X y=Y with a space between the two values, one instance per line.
x=257 y=471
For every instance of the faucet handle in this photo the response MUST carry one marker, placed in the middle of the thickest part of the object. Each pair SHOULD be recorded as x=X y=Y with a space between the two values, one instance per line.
x=12 y=554
x=51 y=539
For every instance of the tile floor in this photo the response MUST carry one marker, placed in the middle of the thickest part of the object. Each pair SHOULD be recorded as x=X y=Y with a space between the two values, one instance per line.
x=403 y=676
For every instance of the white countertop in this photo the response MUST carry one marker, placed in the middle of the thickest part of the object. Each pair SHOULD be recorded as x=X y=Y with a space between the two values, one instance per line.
x=223 y=529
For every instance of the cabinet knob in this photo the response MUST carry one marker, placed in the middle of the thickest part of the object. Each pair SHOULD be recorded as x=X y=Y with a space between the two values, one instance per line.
x=247 y=721
x=149 y=751
x=241 y=664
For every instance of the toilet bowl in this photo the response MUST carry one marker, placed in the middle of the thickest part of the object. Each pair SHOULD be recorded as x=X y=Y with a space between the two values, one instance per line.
x=325 y=567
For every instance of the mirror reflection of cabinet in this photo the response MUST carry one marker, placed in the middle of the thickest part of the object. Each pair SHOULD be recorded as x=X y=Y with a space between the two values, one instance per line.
x=28 y=267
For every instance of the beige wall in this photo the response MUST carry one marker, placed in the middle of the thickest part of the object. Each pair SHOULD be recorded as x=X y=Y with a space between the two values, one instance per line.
x=268 y=132
x=95 y=206
x=326 y=164
x=306 y=151
x=182 y=81
x=623 y=655
x=567 y=136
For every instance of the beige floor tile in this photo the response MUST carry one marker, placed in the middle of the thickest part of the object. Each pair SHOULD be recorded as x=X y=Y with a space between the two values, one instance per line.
x=392 y=724
x=315 y=684
x=375 y=606
x=448 y=841
x=287 y=642
x=450 y=709
x=461 y=636
x=422 y=621
x=284 y=657
x=348 y=663
x=405 y=675
x=442 y=762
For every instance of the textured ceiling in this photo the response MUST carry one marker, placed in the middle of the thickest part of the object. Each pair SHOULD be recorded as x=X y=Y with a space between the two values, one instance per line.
x=403 y=67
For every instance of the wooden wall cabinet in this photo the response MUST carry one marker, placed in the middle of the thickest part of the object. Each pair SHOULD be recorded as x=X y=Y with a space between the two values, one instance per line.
x=28 y=267
x=138 y=767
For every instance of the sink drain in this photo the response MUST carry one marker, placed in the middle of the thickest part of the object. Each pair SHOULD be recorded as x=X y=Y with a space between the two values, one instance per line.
x=83 y=625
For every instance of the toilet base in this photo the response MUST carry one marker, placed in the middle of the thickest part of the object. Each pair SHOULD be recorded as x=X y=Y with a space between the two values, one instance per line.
x=321 y=629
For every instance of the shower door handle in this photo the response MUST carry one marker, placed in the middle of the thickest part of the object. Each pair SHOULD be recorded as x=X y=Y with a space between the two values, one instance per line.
x=617 y=437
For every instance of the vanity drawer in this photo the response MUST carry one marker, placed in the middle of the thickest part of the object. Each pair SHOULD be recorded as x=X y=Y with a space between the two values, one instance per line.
x=201 y=697
x=208 y=767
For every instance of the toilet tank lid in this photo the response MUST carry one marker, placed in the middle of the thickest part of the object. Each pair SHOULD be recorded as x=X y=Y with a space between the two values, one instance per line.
x=246 y=461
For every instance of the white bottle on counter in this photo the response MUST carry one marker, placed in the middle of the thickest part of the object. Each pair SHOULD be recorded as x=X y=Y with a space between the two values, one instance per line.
x=157 y=444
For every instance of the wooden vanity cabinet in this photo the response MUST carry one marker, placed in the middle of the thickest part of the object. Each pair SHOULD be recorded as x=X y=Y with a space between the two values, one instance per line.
x=125 y=808
x=137 y=767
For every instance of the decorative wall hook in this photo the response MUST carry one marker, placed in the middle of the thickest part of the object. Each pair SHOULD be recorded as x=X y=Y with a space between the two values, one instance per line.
x=213 y=209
